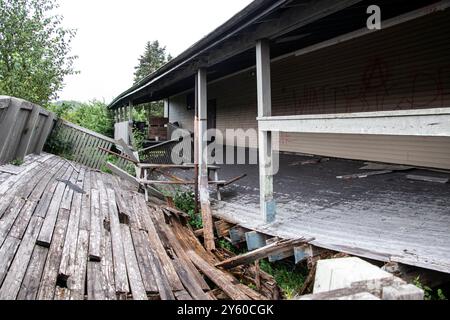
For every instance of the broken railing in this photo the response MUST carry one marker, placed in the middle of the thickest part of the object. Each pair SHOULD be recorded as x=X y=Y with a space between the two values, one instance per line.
x=24 y=128
x=83 y=145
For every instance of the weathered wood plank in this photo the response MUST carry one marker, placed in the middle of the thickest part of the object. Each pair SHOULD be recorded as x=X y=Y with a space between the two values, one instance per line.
x=261 y=253
x=32 y=279
x=159 y=248
x=47 y=197
x=51 y=269
x=218 y=277
x=10 y=216
x=96 y=282
x=164 y=287
x=120 y=270
x=13 y=279
x=134 y=275
x=107 y=261
x=190 y=283
x=96 y=228
x=27 y=132
x=145 y=265
x=45 y=236
x=123 y=174
x=70 y=242
x=77 y=281
x=21 y=223
x=7 y=252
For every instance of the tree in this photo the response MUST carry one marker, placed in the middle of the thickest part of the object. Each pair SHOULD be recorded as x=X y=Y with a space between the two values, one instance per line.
x=154 y=57
x=34 y=51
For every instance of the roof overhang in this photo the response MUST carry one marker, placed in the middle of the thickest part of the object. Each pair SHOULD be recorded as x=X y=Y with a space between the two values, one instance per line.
x=289 y=24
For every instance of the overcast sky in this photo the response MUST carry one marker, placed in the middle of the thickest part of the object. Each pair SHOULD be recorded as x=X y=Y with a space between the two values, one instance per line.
x=112 y=35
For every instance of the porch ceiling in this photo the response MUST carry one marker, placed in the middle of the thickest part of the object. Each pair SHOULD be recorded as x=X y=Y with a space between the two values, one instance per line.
x=290 y=25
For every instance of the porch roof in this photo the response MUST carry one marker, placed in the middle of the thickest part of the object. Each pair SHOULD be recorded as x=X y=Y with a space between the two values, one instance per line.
x=289 y=24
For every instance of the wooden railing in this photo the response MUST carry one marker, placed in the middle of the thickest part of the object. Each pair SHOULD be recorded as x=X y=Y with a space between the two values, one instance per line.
x=24 y=128
x=85 y=146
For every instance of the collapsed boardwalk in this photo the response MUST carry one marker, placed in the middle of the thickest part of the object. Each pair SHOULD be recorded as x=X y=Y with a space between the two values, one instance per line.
x=69 y=232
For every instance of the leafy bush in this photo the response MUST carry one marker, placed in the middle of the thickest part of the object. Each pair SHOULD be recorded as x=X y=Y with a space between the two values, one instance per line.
x=429 y=294
x=290 y=278
x=56 y=145
x=93 y=115
x=185 y=202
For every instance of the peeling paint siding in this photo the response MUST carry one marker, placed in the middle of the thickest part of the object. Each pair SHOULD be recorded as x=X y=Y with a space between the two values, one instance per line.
x=405 y=67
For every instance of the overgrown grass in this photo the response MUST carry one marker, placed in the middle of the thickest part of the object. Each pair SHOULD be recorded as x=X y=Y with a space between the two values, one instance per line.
x=185 y=202
x=430 y=294
x=289 y=277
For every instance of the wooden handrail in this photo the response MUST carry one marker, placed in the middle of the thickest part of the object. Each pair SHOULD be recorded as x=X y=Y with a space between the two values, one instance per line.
x=87 y=131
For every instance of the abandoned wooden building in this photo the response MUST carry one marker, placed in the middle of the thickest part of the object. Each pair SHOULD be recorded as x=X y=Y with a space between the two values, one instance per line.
x=312 y=79
x=342 y=139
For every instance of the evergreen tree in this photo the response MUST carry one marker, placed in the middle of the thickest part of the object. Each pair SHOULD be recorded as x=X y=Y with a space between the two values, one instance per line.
x=153 y=58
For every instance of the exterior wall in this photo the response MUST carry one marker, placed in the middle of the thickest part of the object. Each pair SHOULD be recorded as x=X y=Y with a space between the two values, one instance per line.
x=178 y=112
x=405 y=67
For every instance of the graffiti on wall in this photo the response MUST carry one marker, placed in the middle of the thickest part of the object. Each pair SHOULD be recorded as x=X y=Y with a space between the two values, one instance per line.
x=378 y=88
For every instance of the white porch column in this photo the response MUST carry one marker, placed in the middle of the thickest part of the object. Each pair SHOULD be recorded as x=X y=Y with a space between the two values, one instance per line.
x=130 y=111
x=166 y=108
x=202 y=98
x=267 y=202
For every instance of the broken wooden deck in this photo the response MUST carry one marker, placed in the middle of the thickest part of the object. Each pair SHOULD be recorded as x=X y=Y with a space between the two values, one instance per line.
x=69 y=232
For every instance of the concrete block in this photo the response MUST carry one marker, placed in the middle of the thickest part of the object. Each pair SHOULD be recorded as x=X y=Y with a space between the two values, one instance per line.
x=340 y=273
x=404 y=292
x=255 y=240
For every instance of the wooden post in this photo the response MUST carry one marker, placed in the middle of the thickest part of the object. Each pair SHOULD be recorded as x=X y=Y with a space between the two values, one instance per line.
x=48 y=126
x=196 y=134
x=7 y=125
x=28 y=132
x=267 y=202
x=203 y=159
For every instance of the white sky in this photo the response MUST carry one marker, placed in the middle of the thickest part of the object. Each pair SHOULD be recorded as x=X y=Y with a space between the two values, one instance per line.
x=112 y=35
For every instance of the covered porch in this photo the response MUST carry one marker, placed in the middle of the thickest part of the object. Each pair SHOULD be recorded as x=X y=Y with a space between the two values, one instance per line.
x=382 y=217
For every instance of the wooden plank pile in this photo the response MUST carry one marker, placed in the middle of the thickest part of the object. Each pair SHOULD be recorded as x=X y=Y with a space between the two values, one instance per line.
x=70 y=232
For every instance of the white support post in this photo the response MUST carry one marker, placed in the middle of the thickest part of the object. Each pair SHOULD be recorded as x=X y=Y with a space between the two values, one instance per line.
x=267 y=202
x=202 y=98
x=130 y=111
x=166 y=108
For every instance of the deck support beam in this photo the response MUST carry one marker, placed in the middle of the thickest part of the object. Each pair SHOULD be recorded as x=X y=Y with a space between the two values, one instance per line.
x=267 y=202
x=202 y=98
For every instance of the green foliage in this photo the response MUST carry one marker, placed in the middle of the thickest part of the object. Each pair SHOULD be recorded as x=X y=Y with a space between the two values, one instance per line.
x=34 y=51
x=93 y=115
x=429 y=294
x=154 y=57
x=185 y=202
x=289 y=278
x=58 y=146
x=138 y=139
x=17 y=162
